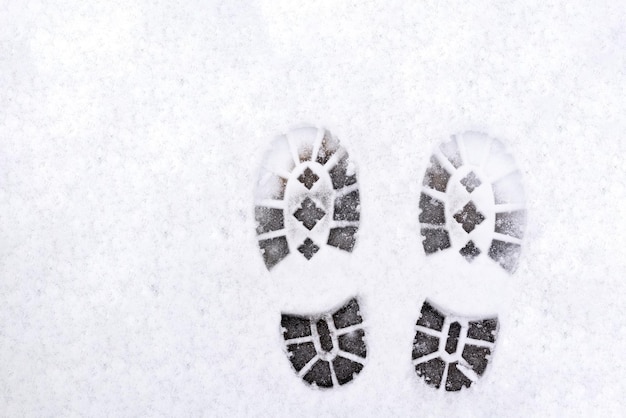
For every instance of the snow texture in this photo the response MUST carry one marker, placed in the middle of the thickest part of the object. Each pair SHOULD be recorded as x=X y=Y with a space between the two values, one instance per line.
x=131 y=138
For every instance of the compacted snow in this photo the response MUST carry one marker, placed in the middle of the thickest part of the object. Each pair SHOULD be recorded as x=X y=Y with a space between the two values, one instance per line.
x=132 y=136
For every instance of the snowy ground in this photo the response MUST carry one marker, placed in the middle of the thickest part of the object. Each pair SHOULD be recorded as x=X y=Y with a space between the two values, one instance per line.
x=130 y=138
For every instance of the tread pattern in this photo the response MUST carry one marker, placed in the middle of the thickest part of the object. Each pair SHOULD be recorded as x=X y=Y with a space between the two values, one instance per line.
x=451 y=352
x=307 y=195
x=472 y=201
x=329 y=349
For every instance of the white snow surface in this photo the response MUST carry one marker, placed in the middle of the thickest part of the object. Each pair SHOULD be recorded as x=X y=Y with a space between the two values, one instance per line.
x=131 y=137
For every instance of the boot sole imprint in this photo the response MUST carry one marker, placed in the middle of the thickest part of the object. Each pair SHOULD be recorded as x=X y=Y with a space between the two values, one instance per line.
x=451 y=351
x=472 y=201
x=326 y=350
x=306 y=196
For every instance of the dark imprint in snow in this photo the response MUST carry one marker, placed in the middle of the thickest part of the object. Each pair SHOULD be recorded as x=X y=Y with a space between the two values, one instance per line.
x=296 y=164
x=483 y=177
x=329 y=349
x=452 y=352
x=308 y=213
